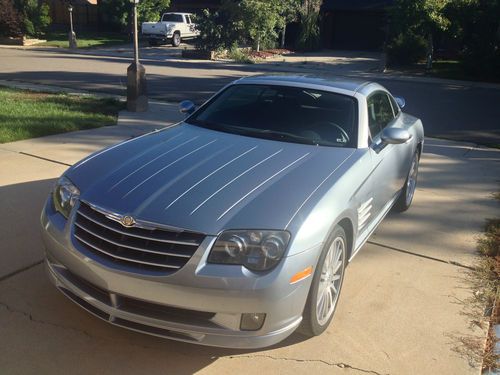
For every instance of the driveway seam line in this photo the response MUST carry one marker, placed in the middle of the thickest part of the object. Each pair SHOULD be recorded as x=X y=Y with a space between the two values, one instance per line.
x=46 y=159
x=14 y=273
x=450 y=262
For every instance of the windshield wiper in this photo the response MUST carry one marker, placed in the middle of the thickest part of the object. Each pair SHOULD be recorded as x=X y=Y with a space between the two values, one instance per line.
x=284 y=136
x=261 y=133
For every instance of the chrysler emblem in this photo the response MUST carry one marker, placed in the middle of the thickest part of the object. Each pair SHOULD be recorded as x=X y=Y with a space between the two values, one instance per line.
x=127 y=221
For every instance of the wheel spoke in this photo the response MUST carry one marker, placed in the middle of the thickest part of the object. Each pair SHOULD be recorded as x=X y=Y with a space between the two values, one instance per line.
x=330 y=280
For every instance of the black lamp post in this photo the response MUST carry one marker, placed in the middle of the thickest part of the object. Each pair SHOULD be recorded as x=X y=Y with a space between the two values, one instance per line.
x=71 y=35
x=137 y=100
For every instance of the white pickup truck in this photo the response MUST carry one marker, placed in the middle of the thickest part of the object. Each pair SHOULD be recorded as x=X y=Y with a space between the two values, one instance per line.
x=171 y=28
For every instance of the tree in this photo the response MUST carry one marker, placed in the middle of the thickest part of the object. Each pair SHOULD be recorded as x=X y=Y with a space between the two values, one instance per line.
x=261 y=18
x=254 y=21
x=151 y=10
x=10 y=20
x=288 y=11
x=118 y=12
x=416 y=19
x=309 y=37
x=34 y=16
x=476 y=28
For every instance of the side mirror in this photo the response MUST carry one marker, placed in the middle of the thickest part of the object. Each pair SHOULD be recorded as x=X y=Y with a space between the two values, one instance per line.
x=395 y=136
x=401 y=101
x=187 y=107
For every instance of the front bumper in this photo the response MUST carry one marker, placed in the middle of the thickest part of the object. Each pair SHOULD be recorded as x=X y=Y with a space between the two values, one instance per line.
x=201 y=303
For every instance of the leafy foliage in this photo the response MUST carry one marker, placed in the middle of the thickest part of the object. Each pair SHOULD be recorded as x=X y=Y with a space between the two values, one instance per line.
x=476 y=28
x=34 y=16
x=415 y=21
x=309 y=36
x=406 y=48
x=217 y=30
x=118 y=13
x=247 y=21
x=151 y=10
x=10 y=20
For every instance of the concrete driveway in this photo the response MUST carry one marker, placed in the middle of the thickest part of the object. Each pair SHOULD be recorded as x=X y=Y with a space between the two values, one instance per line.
x=398 y=313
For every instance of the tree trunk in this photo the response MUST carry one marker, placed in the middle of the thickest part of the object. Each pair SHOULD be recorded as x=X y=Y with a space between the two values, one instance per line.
x=430 y=52
x=258 y=45
x=283 y=37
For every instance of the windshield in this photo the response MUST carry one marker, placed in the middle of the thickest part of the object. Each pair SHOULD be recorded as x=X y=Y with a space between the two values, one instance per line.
x=290 y=114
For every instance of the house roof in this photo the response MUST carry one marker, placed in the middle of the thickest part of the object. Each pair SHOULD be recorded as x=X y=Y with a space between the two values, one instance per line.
x=356 y=4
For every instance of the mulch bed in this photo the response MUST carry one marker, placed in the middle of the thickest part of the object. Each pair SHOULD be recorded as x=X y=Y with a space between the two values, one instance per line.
x=269 y=53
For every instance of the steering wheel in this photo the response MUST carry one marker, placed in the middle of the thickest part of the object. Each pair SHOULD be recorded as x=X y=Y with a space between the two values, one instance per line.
x=344 y=137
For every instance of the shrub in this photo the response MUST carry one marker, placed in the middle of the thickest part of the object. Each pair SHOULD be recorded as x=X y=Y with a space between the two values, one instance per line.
x=406 y=48
x=237 y=55
x=10 y=20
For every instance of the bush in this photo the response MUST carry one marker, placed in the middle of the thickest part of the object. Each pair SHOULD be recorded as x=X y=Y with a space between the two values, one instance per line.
x=10 y=20
x=406 y=48
x=237 y=55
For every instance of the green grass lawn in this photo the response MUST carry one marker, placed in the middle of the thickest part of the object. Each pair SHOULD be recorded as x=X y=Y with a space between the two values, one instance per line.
x=85 y=39
x=453 y=69
x=27 y=114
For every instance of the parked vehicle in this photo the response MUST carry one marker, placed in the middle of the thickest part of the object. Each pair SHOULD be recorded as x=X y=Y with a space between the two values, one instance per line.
x=172 y=28
x=234 y=227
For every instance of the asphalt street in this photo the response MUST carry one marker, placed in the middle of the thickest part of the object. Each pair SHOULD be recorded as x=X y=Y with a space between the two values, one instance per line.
x=454 y=110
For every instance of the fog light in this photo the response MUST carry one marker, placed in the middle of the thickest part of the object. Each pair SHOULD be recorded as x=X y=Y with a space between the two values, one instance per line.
x=252 y=321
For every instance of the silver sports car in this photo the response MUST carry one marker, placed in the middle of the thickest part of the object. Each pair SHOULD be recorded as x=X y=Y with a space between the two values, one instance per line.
x=234 y=227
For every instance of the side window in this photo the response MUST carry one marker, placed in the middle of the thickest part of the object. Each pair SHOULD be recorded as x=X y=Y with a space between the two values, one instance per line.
x=188 y=19
x=380 y=112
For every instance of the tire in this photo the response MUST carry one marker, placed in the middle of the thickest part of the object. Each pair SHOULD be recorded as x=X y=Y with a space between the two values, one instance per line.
x=316 y=320
x=408 y=191
x=176 y=39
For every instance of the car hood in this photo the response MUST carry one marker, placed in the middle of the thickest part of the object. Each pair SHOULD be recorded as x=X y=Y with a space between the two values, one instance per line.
x=204 y=180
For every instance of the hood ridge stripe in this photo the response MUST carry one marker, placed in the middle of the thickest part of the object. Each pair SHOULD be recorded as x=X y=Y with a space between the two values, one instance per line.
x=316 y=189
x=259 y=185
x=168 y=165
x=151 y=161
x=160 y=191
x=207 y=176
x=234 y=179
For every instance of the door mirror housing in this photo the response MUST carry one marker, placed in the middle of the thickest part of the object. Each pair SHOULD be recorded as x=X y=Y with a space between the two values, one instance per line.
x=187 y=107
x=395 y=136
x=401 y=101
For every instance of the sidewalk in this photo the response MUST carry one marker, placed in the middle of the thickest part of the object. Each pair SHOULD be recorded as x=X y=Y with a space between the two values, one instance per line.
x=398 y=313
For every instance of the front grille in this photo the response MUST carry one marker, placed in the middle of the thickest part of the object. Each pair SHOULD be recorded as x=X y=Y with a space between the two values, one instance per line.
x=155 y=251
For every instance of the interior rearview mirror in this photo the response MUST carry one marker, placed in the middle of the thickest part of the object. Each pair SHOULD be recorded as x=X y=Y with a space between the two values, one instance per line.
x=187 y=107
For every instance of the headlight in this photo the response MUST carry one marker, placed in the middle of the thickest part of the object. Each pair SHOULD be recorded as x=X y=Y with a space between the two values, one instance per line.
x=257 y=250
x=64 y=196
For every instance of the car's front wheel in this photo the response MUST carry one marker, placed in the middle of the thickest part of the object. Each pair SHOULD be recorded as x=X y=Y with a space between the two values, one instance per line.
x=406 y=196
x=326 y=285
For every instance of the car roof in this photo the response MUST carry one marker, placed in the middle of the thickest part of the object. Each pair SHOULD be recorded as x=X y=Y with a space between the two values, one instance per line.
x=329 y=82
x=182 y=13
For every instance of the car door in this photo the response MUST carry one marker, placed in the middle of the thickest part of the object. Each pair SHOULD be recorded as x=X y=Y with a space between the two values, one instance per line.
x=186 y=31
x=388 y=160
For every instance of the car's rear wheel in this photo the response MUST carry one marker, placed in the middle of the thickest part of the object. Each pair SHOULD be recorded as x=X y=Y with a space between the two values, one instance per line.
x=176 y=39
x=406 y=196
x=326 y=285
